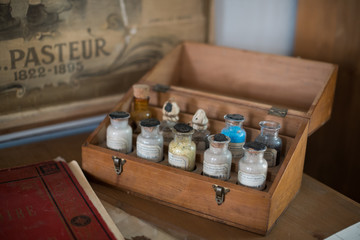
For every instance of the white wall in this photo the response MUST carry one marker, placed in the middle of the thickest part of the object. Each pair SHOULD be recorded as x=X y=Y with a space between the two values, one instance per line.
x=259 y=25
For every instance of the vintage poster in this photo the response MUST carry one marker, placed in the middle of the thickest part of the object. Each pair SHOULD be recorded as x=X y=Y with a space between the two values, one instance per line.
x=60 y=51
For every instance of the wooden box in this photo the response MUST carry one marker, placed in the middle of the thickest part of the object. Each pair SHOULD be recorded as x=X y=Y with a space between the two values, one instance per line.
x=296 y=92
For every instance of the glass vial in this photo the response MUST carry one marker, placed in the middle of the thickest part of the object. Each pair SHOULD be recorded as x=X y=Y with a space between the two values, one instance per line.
x=119 y=132
x=217 y=159
x=141 y=105
x=182 y=150
x=149 y=143
x=236 y=133
x=253 y=167
x=201 y=134
x=170 y=112
x=269 y=136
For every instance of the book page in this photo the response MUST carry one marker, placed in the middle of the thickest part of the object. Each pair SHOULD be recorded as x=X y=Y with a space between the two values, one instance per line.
x=75 y=168
x=350 y=233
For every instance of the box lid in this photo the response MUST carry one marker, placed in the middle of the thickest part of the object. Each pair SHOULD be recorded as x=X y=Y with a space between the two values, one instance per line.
x=276 y=84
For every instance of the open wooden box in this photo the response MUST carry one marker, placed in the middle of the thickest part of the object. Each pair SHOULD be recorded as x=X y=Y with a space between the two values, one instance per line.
x=298 y=93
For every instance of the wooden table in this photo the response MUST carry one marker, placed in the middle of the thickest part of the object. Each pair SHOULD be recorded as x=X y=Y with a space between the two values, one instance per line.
x=317 y=211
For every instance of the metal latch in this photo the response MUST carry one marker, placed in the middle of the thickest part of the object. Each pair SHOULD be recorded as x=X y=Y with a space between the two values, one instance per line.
x=118 y=163
x=275 y=111
x=161 y=88
x=220 y=193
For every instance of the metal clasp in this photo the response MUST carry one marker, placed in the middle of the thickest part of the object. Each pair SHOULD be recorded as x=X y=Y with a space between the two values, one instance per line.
x=276 y=111
x=118 y=163
x=220 y=193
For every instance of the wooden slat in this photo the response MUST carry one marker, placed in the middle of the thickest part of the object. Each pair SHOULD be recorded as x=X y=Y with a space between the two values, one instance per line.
x=328 y=30
x=245 y=208
x=322 y=108
x=276 y=80
x=316 y=213
x=217 y=108
x=250 y=79
x=288 y=181
x=56 y=114
x=190 y=191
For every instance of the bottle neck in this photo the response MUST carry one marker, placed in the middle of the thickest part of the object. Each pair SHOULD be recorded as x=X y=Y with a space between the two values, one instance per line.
x=253 y=156
x=149 y=132
x=219 y=147
x=269 y=132
x=119 y=123
x=234 y=123
x=182 y=138
x=141 y=104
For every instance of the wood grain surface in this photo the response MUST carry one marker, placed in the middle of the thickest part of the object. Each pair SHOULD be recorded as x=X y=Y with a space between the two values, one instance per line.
x=328 y=30
x=316 y=212
x=220 y=81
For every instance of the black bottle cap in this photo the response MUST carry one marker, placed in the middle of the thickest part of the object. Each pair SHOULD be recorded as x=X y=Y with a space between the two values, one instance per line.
x=117 y=115
x=151 y=122
x=183 y=128
x=220 y=137
x=255 y=145
x=235 y=117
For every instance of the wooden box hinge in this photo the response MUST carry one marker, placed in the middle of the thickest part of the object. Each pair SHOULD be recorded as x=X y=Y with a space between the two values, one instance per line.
x=276 y=111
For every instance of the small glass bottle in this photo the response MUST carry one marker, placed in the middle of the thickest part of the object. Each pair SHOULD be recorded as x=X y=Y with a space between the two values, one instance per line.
x=253 y=167
x=170 y=112
x=269 y=136
x=119 y=132
x=217 y=159
x=149 y=143
x=236 y=134
x=201 y=134
x=141 y=105
x=182 y=150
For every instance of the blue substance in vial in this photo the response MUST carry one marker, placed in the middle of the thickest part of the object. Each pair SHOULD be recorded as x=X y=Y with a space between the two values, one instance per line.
x=235 y=133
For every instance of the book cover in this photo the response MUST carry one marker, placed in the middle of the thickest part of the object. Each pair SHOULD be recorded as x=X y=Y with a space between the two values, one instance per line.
x=46 y=201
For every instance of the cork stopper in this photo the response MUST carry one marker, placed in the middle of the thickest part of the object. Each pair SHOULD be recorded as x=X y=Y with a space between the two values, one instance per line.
x=220 y=137
x=141 y=91
x=255 y=146
x=183 y=128
x=151 y=122
x=171 y=111
x=119 y=115
x=218 y=140
x=234 y=117
x=200 y=120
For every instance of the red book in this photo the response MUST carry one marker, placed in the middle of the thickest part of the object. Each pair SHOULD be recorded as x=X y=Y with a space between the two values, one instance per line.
x=45 y=201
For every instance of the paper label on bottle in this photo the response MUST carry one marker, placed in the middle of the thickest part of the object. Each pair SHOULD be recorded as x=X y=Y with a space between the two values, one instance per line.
x=270 y=156
x=236 y=149
x=221 y=171
x=251 y=179
x=152 y=152
x=178 y=161
x=118 y=143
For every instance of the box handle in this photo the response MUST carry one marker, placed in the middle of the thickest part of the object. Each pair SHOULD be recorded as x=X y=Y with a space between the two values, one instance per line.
x=220 y=193
x=118 y=163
